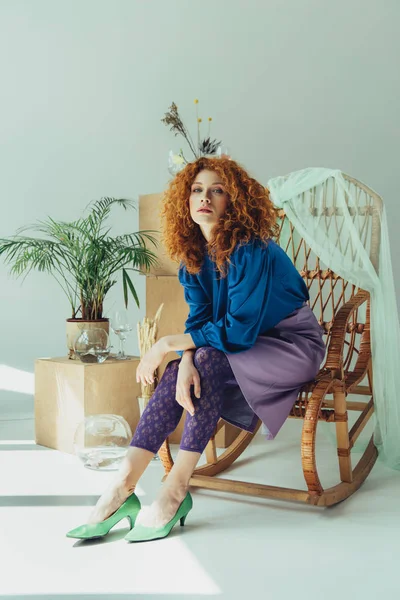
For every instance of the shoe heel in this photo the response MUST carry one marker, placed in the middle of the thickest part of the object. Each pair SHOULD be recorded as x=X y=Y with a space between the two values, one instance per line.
x=183 y=519
x=131 y=521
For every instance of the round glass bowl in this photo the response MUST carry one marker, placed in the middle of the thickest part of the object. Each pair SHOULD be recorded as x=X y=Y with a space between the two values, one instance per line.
x=102 y=441
x=92 y=345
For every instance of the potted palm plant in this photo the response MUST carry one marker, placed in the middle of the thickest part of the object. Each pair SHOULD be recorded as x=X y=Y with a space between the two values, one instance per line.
x=84 y=260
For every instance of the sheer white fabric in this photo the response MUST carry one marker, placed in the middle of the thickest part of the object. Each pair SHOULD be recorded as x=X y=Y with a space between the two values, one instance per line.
x=348 y=254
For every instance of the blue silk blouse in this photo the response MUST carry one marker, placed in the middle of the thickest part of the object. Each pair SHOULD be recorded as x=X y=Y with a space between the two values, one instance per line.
x=262 y=287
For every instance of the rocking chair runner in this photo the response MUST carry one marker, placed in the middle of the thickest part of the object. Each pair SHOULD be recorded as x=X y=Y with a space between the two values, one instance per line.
x=344 y=313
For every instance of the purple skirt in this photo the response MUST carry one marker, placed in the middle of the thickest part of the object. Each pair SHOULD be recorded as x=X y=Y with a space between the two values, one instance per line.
x=268 y=376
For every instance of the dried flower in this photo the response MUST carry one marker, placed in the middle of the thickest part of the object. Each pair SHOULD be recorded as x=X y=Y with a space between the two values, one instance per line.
x=147 y=334
x=173 y=119
x=208 y=146
x=204 y=146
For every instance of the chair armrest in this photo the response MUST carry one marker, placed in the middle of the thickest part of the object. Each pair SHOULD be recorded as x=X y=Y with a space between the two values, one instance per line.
x=334 y=359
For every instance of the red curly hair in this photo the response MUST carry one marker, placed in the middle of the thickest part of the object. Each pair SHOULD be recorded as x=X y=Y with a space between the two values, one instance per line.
x=250 y=214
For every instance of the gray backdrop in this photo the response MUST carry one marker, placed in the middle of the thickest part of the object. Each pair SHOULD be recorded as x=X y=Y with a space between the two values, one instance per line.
x=84 y=84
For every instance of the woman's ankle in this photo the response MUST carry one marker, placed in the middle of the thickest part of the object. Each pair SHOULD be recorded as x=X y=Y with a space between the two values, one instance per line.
x=127 y=486
x=177 y=489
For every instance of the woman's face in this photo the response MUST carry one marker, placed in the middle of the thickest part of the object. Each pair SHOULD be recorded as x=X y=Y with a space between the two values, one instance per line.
x=208 y=201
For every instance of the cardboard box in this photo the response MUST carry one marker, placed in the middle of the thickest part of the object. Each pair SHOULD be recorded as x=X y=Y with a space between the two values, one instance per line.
x=66 y=391
x=149 y=218
x=167 y=289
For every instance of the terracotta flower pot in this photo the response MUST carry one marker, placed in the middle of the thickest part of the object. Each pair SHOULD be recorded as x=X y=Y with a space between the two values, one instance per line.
x=75 y=326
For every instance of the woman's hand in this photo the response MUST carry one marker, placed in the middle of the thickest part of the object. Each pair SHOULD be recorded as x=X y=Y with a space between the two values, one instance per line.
x=150 y=362
x=187 y=375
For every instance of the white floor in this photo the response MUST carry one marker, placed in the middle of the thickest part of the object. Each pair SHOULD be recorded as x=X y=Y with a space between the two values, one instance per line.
x=231 y=546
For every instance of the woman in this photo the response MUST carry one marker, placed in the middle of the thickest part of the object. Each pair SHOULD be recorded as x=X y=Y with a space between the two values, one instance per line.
x=251 y=340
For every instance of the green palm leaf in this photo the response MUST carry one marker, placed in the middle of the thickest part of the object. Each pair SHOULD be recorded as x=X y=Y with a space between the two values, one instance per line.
x=82 y=256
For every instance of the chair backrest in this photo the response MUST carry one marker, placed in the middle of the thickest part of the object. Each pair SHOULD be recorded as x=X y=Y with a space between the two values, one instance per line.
x=328 y=292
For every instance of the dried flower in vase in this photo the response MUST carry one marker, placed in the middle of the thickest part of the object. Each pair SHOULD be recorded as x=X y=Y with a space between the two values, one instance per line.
x=147 y=334
x=204 y=147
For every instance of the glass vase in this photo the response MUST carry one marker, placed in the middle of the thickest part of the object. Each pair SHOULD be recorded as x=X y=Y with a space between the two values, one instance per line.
x=102 y=441
x=92 y=345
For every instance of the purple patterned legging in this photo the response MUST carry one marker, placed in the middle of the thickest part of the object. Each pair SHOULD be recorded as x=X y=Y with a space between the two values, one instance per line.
x=163 y=413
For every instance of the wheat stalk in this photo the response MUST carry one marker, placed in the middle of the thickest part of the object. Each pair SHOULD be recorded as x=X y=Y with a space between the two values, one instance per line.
x=147 y=334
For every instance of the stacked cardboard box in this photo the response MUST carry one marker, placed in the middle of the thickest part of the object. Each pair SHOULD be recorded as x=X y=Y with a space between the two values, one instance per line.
x=66 y=391
x=162 y=285
x=149 y=219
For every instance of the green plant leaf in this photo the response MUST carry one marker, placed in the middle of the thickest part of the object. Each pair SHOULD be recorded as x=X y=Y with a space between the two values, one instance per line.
x=125 y=287
x=127 y=280
x=82 y=255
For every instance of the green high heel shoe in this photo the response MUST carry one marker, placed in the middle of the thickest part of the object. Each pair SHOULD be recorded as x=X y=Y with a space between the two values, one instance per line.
x=145 y=534
x=129 y=509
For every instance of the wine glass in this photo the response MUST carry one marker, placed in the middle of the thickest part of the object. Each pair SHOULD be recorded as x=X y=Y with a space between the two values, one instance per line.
x=121 y=327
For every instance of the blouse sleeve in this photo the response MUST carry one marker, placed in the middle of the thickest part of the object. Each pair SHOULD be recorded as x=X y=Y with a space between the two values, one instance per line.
x=200 y=305
x=249 y=285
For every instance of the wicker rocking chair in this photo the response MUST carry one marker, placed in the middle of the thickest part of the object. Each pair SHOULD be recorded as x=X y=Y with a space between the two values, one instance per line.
x=338 y=306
